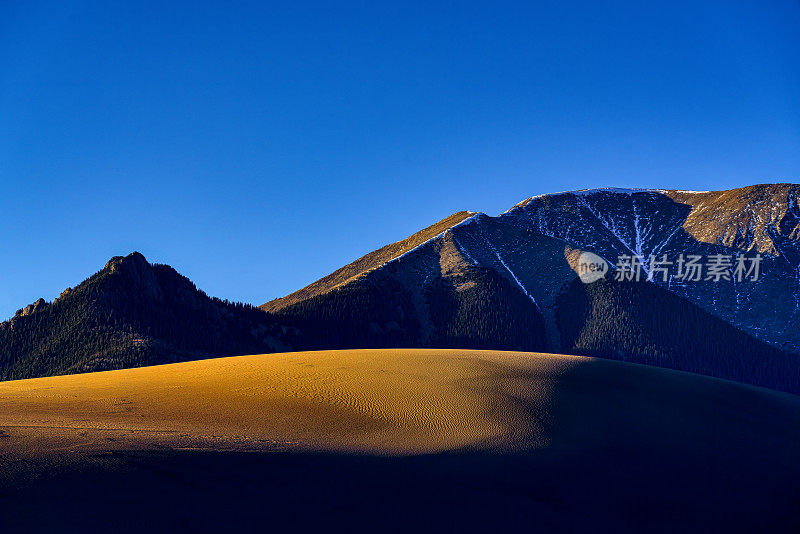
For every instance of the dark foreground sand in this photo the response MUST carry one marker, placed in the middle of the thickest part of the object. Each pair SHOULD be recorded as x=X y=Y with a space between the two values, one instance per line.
x=397 y=440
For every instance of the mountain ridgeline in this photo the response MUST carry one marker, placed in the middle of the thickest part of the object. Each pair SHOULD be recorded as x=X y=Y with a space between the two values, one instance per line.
x=474 y=281
x=131 y=314
x=510 y=282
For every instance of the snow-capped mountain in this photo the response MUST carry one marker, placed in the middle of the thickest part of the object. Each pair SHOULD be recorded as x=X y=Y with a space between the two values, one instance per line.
x=759 y=221
x=750 y=235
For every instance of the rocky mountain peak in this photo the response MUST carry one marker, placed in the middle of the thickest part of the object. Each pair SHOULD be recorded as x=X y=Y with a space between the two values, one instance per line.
x=135 y=261
x=30 y=309
x=136 y=270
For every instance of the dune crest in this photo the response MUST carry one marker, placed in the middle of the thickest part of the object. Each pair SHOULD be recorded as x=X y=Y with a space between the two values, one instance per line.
x=395 y=401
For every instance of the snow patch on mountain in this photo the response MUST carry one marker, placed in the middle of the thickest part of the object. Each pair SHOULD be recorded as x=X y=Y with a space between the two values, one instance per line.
x=507 y=268
x=464 y=250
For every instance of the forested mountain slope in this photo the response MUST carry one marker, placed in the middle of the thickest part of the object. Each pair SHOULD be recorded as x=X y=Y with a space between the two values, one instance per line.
x=129 y=314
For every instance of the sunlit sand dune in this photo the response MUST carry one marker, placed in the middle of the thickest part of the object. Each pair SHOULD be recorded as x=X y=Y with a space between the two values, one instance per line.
x=454 y=434
x=413 y=401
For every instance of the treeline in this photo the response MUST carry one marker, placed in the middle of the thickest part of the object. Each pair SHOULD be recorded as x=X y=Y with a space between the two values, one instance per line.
x=477 y=310
x=482 y=310
x=375 y=312
x=643 y=323
x=129 y=316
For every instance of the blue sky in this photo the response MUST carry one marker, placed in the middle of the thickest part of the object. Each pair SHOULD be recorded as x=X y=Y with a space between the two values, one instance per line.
x=257 y=146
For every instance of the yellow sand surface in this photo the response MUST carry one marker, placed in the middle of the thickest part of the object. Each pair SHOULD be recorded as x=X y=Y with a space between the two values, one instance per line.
x=395 y=401
x=399 y=440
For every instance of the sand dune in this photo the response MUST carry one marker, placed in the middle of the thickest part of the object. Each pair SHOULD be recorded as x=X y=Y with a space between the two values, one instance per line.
x=414 y=401
x=557 y=439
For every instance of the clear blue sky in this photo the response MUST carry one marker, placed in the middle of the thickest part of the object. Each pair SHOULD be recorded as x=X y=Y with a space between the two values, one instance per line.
x=258 y=146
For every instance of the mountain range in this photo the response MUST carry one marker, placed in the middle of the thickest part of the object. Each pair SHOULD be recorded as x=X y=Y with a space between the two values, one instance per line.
x=471 y=280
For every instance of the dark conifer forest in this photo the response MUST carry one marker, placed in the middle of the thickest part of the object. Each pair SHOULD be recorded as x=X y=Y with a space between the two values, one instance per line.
x=131 y=314
x=642 y=323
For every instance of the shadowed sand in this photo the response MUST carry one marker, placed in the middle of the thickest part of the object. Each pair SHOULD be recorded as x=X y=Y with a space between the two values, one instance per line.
x=398 y=439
